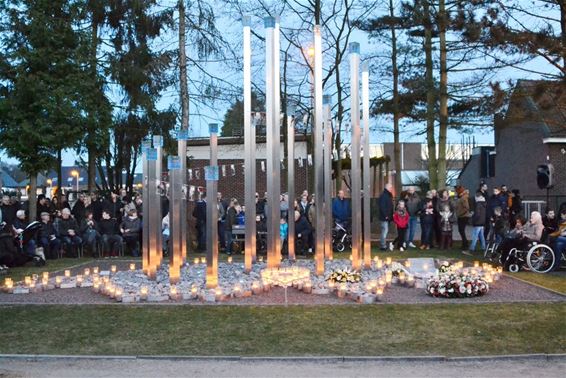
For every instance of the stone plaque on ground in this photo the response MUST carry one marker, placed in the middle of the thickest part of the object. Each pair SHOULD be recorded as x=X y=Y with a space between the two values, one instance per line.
x=422 y=267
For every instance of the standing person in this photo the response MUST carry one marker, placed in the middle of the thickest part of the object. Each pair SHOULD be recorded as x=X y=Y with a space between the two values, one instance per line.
x=560 y=240
x=427 y=222
x=221 y=219
x=131 y=230
x=436 y=225
x=516 y=206
x=482 y=190
x=199 y=213
x=304 y=205
x=111 y=241
x=284 y=205
x=446 y=227
x=385 y=213
x=443 y=199
x=283 y=232
x=311 y=213
x=463 y=214
x=231 y=220
x=413 y=204
x=79 y=208
x=341 y=210
x=478 y=221
x=42 y=205
x=303 y=231
x=96 y=206
x=401 y=220
x=114 y=207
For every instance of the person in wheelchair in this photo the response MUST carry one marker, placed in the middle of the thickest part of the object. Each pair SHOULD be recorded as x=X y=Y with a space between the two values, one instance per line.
x=532 y=232
x=559 y=238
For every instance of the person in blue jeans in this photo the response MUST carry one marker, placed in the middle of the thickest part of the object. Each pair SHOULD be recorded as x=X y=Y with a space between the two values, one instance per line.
x=478 y=223
x=427 y=222
x=413 y=205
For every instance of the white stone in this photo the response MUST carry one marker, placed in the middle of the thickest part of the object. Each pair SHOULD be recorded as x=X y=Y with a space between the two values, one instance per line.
x=20 y=290
x=68 y=285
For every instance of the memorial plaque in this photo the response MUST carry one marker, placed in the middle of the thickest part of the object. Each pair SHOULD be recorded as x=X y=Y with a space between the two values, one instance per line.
x=422 y=267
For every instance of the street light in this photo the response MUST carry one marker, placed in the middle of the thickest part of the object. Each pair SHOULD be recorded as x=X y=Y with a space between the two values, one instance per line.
x=75 y=173
x=50 y=183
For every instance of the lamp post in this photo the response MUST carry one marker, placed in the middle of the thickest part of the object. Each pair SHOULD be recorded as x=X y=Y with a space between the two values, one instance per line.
x=76 y=174
x=50 y=184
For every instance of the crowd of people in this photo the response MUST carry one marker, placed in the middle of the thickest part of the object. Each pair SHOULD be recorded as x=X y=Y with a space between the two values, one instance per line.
x=99 y=226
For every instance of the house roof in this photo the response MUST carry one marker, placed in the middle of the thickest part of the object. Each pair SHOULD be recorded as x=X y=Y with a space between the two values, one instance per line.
x=543 y=101
x=8 y=181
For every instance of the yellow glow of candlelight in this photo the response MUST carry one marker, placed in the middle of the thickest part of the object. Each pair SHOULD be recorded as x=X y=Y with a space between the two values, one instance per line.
x=58 y=279
x=95 y=270
x=87 y=271
x=45 y=275
x=173 y=290
x=203 y=260
x=113 y=268
x=143 y=290
x=388 y=261
x=229 y=259
x=196 y=260
x=132 y=266
x=67 y=273
x=79 y=278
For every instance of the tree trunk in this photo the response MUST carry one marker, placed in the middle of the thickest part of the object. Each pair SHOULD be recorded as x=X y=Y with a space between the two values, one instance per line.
x=183 y=68
x=396 y=114
x=32 y=197
x=563 y=34
x=91 y=141
x=430 y=98
x=443 y=129
x=59 y=176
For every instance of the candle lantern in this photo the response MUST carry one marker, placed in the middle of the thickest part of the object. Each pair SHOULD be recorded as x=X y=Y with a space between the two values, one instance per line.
x=388 y=261
x=196 y=261
x=307 y=287
x=45 y=275
x=87 y=272
x=133 y=266
x=229 y=259
x=67 y=273
x=113 y=269
x=95 y=270
x=58 y=281
x=143 y=293
x=79 y=280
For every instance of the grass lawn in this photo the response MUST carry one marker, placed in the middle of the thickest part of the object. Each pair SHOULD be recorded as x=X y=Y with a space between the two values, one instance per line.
x=386 y=330
x=555 y=280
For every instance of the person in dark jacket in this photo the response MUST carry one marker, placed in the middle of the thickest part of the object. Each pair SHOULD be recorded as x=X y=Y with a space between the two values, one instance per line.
x=9 y=210
x=111 y=240
x=47 y=237
x=231 y=220
x=385 y=213
x=79 y=208
x=341 y=210
x=19 y=226
x=131 y=230
x=199 y=213
x=427 y=221
x=478 y=222
x=89 y=232
x=516 y=207
x=96 y=206
x=303 y=231
x=413 y=205
x=68 y=231
x=42 y=205
x=114 y=207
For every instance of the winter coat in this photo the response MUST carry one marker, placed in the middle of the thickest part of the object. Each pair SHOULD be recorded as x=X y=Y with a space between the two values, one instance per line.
x=64 y=225
x=413 y=204
x=401 y=219
x=46 y=230
x=79 y=210
x=386 y=206
x=463 y=207
x=199 y=212
x=480 y=213
x=341 y=210
x=231 y=220
x=108 y=227
x=133 y=225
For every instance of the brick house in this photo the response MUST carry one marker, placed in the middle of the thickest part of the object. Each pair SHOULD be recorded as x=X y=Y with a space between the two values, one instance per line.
x=531 y=132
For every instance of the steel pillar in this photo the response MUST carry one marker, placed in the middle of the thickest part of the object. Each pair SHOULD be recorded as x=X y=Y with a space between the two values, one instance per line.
x=249 y=159
x=160 y=191
x=151 y=216
x=175 y=215
x=145 y=206
x=182 y=136
x=366 y=179
x=318 y=153
x=355 y=154
x=291 y=180
x=327 y=120
x=211 y=176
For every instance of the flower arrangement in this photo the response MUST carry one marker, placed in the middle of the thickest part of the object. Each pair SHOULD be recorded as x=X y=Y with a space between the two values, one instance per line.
x=397 y=268
x=344 y=276
x=457 y=286
x=445 y=267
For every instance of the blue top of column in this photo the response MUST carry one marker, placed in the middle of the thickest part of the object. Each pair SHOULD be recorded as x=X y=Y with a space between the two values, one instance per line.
x=246 y=21
x=182 y=135
x=269 y=22
x=157 y=141
x=354 y=48
x=213 y=128
x=173 y=162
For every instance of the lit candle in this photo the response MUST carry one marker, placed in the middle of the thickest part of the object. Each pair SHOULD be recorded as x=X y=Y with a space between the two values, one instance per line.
x=379 y=293
x=67 y=273
x=9 y=284
x=79 y=280
x=118 y=294
x=45 y=281
x=331 y=285
x=229 y=259
x=27 y=280
x=407 y=264
x=203 y=260
x=111 y=291
x=256 y=289
x=237 y=291
x=58 y=281
x=113 y=269
x=87 y=272
x=476 y=264
x=194 y=292
x=388 y=280
x=388 y=261
x=379 y=264
x=425 y=267
x=351 y=258
x=369 y=288
x=133 y=266
x=45 y=275
x=260 y=259
x=330 y=258
x=96 y=287
x=218 y=294
x=173 y=294
x=410 y=280
x=143 y=293
x=196 y=261
x=95 y=270
x=307 y=287
x=381 y=282
x=342 y=291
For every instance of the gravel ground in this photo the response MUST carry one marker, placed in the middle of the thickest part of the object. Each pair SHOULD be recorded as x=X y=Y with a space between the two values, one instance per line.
x=505 y=290
x=314 y=368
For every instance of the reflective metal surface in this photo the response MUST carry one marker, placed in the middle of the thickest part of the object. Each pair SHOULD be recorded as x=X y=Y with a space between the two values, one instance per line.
x=366 y=179
x=318 y=153
x=212 y=215
x=356 y=184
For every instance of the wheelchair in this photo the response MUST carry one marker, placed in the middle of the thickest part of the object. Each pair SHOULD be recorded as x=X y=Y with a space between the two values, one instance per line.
x=537 y=257
x=491 y=252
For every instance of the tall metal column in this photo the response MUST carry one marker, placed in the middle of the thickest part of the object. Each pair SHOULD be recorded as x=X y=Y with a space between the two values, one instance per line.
x=150 y=216
x=182 y=136
x=277 y=136
x=366 y=181
x=291 y=180
x=326 y=102
x=175 y=215
x=249 y=146
x=211 y=176
x=355 y=154
x=271 y=140
x=158 y=145
x=318 y=155
x=145 y=206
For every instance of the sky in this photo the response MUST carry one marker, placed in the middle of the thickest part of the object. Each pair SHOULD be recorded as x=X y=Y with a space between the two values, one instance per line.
x=199 y=123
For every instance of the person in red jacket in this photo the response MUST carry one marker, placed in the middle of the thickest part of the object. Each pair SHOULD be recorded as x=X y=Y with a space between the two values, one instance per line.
x=401 y=220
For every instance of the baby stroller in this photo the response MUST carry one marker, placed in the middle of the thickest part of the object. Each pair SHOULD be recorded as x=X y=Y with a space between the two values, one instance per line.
x=492 y=245
x=341 y=237
x=29 y=234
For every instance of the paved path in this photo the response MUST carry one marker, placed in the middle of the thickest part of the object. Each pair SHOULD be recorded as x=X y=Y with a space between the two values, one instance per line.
x=316 y=368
